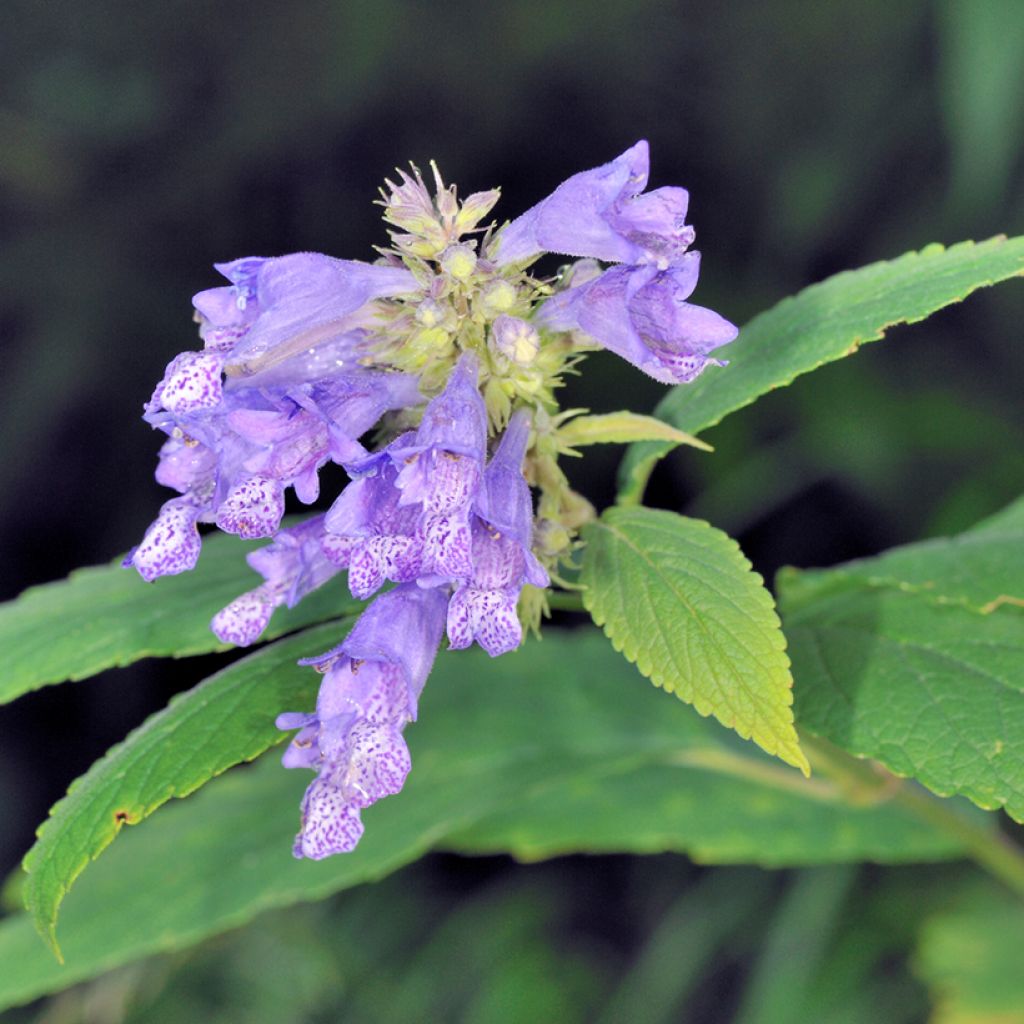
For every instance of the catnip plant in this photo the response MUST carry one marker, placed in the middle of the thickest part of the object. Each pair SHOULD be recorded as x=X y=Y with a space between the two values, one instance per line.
x=447 y=347
x=431 y=375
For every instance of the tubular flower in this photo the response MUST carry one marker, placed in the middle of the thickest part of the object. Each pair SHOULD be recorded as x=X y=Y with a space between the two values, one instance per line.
x=430 y=376
x=637 y=309
x=369 y=693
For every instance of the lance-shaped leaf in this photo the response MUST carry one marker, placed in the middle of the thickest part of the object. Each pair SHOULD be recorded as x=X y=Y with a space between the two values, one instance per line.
x=622 y=428
x=110 y=617
x=227 y=719
x=502 y=759
x=679 y=599
x=823 y=323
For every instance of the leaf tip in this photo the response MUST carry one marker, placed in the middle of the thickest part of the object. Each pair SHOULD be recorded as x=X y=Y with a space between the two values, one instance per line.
x=48 y=933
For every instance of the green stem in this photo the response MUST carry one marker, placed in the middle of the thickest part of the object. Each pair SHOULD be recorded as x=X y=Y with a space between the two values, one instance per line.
x=867 y=781
x=987 y=847
x=566 y=600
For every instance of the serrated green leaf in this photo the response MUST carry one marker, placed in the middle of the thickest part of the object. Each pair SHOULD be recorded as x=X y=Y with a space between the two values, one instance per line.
x=820 y=324
x=623 y=428
x=969 y=957
x=679 y=599
x=982 y=569
x=497 y=748
x=106 y=616
x=225 y=720
x=932 y=691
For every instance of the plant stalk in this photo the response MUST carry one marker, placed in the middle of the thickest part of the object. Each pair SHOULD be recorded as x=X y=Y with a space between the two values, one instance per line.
x=868 y=782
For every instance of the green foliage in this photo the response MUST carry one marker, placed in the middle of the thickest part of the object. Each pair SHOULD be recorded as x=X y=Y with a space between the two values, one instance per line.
x=225 y=720
x=969 y=955
x=795 y=948
x=982 y=569
x=109 y=616
x=599 y=761
x=623 y=428
x=678 y=598
x=897 y=661
x=822 y=323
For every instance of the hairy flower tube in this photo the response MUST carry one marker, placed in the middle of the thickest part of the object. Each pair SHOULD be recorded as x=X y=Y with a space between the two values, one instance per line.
x=431 y=377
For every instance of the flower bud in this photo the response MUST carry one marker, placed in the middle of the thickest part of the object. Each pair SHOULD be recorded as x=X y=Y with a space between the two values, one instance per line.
x=498 y=297
x=475 y=208
x=458 y=261
x=515 y=339
x=430 y=313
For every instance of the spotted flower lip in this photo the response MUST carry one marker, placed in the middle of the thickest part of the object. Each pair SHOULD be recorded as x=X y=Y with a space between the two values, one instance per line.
x=406 y=514
x=234 y=462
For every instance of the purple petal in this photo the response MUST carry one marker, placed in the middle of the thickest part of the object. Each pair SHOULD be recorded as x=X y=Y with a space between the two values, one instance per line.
x=192 y=383
x=455 y=421
x=253 y=508
x=242 y=621
x=304 y=299
x=655 y=223
x=402 y=627
x=171 y=545
x=330 y=823
x=487 y=616
x=447 y=546
x=184 y=466
x=641 y=314
x=233 y=306
x=504 y=496
x=302 y=752
x=377 y=763
x=439 y=480
x=572 y=220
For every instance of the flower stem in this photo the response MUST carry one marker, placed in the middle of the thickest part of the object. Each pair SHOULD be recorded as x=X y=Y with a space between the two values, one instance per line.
x=867 y=782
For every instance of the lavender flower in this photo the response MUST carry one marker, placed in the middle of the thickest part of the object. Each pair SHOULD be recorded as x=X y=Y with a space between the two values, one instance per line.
x=370 y=532
x=600 y=213
x=406 y=515
x=641 y=314
x=483 y=607
x=305 y=308
x=369 y=694
x=304 y=354
x=638 y=310
x=291 y=567
x=237 y=444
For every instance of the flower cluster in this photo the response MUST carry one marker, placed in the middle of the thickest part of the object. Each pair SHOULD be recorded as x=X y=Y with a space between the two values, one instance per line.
x=449 y=354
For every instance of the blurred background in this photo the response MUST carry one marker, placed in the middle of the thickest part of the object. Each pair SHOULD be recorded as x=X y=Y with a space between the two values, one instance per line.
x=142 y=142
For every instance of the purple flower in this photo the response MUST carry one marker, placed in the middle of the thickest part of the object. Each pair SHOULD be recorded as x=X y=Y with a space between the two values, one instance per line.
x=406 y=515
x=641 y=313
x=600 y=213
x=305 y=309
x=483 y=607
x=292 y=566
x=369 y=693
x=637 y=309
x=234 y=462
x=370 y=532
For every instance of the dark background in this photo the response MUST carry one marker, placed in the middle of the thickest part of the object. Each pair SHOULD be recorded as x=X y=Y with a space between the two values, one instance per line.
x=143 y=141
